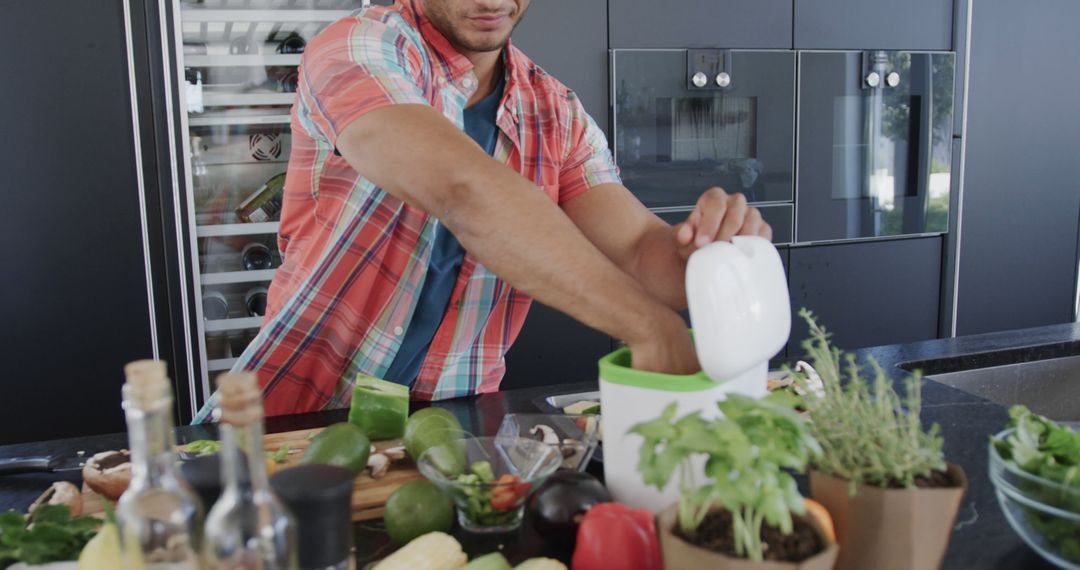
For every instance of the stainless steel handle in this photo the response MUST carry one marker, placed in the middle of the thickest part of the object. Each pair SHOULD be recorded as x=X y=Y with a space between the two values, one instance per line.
x=13 y=465
x=892 y=79
x=723 y=79
x=700 y=79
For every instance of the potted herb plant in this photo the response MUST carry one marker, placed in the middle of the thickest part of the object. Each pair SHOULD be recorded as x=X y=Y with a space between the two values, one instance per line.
x=747 y=511
x=881 y=475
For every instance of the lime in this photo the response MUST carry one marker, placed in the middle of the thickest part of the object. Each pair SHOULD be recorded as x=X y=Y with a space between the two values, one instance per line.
x=417 y=508
x=342 y=444
x=432 y=427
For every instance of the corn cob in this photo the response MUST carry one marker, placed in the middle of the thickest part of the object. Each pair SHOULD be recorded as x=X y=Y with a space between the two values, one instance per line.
x=432 y=551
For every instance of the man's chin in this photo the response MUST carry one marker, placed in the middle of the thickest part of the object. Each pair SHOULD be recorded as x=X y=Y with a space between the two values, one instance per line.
x=481 y=45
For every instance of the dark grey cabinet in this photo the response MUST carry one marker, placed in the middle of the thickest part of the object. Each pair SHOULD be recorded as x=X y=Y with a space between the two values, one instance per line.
x=874 y=24
x=568 y=38
x=1021 y=196
x=700 y=23
x=553 y=349
x=74 y=298
x=869 y=293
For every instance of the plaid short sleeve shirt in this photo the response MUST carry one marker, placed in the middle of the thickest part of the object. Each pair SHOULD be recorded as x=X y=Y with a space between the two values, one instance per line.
x=355 y=257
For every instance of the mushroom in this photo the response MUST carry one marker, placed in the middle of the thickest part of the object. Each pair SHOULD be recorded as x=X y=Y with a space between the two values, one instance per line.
x=108 y=473
x=378 y=464
x=395 y=453
x=61 y=493
x=570 y=448
x=548 y=435
x=813 y=381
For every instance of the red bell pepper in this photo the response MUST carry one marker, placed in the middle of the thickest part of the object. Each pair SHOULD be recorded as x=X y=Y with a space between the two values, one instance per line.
x=613 y=535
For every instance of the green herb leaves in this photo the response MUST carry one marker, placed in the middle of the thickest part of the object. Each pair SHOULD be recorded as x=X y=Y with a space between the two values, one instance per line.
x=868 y=433
x=1042 y=447
x=745 y=451
x=54 y=535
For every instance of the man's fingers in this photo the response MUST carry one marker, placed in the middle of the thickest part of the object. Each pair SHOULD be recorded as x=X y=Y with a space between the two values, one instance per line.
x=713 y=206
x=753 y=223
x=684 y=233
x=734 y=217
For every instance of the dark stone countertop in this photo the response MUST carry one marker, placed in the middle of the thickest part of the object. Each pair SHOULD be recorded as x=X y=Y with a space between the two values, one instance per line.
x=981 y=538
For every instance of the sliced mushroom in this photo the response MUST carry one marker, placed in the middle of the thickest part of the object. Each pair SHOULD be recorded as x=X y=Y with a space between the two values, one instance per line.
x=108 y=473
x=61 y=493
x=548 y=435
x=378 y=464
x=395 y=453
x=813 y=382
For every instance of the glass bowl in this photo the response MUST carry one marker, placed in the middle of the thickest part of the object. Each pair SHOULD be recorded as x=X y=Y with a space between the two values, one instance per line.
x=489 y=498
x=574 y=436
x=1044 y=513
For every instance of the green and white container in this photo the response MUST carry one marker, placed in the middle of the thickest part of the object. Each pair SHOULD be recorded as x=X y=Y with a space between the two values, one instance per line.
x=739 y=308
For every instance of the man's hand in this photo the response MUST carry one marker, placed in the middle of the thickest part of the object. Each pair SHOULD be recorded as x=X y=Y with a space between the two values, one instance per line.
x=668 y=348
x=718 y=216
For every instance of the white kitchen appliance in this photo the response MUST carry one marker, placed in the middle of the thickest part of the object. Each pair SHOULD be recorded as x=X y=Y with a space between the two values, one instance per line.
x=741 y=317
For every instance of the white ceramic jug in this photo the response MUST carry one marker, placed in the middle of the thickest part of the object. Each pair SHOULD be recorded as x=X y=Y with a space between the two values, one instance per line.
x=741 y=316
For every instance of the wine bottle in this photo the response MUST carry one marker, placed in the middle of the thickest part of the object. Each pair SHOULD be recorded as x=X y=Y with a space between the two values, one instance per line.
x=248 y=527
x=158 y=516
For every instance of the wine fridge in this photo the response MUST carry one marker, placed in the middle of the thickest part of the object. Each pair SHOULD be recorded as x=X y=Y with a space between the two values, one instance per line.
x=234 y=73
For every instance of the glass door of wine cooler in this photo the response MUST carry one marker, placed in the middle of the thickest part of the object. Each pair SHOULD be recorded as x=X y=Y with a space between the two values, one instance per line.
x=237 y=78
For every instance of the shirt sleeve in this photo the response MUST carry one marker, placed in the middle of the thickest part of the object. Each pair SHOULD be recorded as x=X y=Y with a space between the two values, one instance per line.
x=589 y=162
x=353 y=67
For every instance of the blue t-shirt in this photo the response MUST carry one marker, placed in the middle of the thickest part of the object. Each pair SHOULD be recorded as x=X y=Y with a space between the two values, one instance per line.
x=446 y=257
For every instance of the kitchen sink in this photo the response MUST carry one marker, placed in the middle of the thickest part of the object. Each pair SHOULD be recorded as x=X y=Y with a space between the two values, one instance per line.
x=1048 y=386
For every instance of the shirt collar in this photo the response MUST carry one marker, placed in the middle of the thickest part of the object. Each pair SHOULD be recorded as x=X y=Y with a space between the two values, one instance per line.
x=456 y=65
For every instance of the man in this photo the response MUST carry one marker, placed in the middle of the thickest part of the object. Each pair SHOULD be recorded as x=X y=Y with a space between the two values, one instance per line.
x=439 y=180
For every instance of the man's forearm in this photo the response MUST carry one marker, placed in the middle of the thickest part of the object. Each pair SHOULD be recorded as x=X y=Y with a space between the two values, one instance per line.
x=659 y=267
x=501 y=218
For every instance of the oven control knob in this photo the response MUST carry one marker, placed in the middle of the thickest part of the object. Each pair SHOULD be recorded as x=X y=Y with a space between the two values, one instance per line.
x=723 y=79
x=700 y=79
x=892 y=79
x=873 y=79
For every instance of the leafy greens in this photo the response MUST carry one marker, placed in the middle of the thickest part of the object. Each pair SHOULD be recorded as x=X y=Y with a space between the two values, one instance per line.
x=54 y=535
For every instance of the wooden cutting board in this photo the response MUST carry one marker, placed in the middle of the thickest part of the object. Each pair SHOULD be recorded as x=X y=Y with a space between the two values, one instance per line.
x=369 y=495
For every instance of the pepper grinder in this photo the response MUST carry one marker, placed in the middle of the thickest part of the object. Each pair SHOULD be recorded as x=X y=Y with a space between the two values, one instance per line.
x=320 y=497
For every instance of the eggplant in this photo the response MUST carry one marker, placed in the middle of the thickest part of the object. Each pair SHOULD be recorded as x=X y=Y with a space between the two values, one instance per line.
x=556 y=508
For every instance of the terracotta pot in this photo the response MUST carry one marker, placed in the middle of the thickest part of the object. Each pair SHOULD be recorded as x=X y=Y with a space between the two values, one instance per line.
x=889 y=529
x=679 y=554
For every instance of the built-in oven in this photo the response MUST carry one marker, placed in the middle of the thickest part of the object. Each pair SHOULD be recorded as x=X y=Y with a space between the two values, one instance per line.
x=687 y=120
x=874 y=144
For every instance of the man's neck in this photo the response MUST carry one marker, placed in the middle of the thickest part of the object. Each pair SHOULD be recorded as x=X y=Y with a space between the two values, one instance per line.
x=488 y=67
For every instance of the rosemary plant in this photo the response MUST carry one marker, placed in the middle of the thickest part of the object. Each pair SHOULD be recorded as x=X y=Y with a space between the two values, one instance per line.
x=745 y=452
x=868 y=433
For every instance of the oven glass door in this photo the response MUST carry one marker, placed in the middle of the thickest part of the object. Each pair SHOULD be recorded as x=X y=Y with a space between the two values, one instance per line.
x=674 y=140
x=875 y=144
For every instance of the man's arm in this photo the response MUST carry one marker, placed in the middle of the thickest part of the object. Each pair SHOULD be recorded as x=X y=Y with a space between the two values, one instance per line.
x=649 y=249
x=513 y=228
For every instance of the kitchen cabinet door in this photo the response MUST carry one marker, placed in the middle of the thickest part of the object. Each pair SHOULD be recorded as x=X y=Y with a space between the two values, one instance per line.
x=568 y=38
x=700 y=23
x=553 y=349
x=874 y=24
x=74 y=296
x=868 y=293
x=1021 y=200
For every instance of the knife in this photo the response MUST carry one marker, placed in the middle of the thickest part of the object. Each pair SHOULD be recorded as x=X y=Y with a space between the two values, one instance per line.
x=39 y=464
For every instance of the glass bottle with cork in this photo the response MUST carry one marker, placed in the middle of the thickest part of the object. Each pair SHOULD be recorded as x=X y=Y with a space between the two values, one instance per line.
x=248 y=527
x=159 y=517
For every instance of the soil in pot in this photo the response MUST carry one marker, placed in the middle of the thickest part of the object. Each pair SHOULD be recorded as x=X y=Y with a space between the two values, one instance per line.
x=935 y=480
x=715 y=533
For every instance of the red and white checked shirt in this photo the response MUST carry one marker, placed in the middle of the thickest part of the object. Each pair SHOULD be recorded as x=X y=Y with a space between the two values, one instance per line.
x=355 y=257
